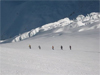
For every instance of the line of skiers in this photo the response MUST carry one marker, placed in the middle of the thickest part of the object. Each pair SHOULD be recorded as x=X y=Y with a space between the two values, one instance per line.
x=52 y=47
x=62 y=47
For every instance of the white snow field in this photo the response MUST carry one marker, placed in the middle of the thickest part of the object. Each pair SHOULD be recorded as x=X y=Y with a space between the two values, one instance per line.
x=83 y=59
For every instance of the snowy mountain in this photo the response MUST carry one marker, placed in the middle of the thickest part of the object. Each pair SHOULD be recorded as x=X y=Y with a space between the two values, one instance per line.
x=81 y=23
x=22 y=16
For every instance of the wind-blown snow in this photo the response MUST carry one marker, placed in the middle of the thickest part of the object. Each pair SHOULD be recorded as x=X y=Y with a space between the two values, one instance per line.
x=82 y=23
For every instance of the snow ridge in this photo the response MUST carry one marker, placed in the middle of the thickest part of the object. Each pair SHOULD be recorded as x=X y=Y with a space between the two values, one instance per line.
x=85 y=23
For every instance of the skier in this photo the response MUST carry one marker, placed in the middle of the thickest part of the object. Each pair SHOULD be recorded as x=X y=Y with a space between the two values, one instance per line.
x=39 y=47
x=52 y=47
x=61 y=47
x=30 y=46
x=70 y=47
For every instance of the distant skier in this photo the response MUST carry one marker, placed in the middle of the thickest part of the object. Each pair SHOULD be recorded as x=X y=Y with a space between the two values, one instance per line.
x=52 y=47
x=39 y=47
x=30 y=46
x=61 y=47
x=70 y=47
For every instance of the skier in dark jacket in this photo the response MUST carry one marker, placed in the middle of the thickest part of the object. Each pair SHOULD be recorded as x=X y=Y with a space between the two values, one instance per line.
x=61 y=47
x=39 y=47
x=70 y=47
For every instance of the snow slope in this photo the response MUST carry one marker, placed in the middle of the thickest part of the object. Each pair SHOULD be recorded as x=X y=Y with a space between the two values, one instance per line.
x=18 y=16
x=17 y=59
